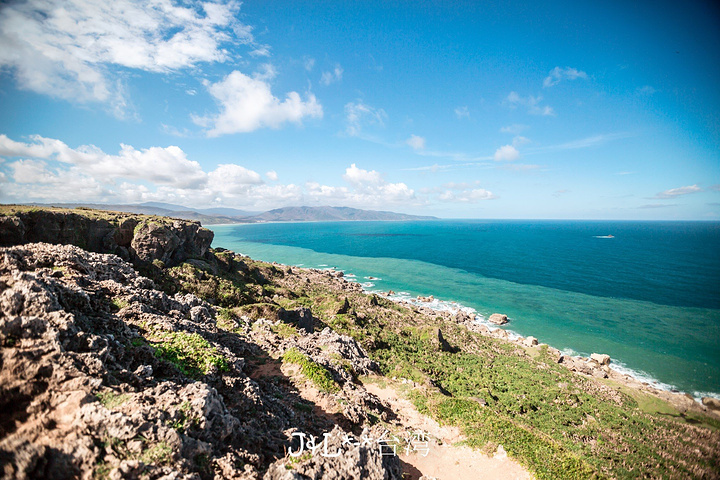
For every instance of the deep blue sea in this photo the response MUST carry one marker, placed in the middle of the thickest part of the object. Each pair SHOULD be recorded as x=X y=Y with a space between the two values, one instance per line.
x=649 y=297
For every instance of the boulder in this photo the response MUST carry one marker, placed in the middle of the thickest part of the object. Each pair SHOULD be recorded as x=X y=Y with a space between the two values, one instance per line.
x=344 y=308
x=440 y=342
x=498 y=319
x=601 y=358
x=711 y=403
x=530 y=342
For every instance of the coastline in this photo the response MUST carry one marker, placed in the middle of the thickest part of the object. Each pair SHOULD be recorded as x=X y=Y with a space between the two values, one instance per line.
x=276 y=349
x=616 y=372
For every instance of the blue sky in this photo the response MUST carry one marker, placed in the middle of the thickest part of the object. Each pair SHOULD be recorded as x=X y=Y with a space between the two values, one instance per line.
x=588 y=110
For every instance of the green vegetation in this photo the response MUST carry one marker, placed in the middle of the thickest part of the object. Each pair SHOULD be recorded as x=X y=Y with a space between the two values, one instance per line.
x=556 y=423
x=284 y=330
x=190 y=353
x=111 y=400
x=159 y=454
x=185 y=420
x=316 y=373
x=120 y=303
x=216 y=289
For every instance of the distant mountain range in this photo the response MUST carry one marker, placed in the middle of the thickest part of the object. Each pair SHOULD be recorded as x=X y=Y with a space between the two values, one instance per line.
x=214 y=216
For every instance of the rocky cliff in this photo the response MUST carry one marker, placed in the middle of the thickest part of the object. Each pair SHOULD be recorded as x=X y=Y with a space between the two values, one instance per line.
x=140 y=239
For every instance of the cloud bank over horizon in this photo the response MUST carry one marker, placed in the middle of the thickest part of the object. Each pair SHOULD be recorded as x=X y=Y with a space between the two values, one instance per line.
x=241 y=104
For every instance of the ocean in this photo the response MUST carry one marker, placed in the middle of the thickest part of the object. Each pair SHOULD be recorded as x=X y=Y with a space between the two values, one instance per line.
x=646 y=293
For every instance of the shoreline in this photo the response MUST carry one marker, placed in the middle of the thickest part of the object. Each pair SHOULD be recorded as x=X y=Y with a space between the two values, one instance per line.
x=618 y=372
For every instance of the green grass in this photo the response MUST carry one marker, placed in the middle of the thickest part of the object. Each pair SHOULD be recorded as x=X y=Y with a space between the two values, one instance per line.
x=555 y=422
x=316 y=373
x=190 y=353
x=284 y=330
x=119 y=303
x=160 y=454
x=111 y=400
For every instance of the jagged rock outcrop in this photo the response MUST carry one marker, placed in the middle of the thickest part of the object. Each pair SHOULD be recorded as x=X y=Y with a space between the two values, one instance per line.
x=136 y=238
x=102 y=376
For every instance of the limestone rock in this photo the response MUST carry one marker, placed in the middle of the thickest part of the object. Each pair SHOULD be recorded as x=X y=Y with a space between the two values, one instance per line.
x=601 y=358
x=711 y=403
x=530 y=342
x=498 y=319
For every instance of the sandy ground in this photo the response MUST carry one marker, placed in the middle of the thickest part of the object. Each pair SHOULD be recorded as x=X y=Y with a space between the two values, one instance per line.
x=444 y=461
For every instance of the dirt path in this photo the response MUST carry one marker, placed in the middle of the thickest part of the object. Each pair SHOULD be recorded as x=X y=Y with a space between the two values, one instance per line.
x=444 y=461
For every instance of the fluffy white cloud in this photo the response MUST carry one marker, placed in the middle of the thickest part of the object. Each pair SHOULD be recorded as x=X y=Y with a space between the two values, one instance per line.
x=506 y=153
x=462 y=112
x=166 y=166
x=416 y=142
x=358 y=176
x=558 y=74
x=231 y=179
x=676 y=192
x=369 y=188
x=247 y=104
x=531 y=103
x=67 y=48
x=330 y=77
x=47 y=170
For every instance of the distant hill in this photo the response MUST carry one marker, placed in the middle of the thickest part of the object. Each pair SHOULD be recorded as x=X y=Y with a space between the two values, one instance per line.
x=319 y=214
x=222 y=211
x=214 y=216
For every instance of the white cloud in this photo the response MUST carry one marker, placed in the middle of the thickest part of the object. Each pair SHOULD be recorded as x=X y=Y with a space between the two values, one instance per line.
x=558 y=74
x=358 y=176
x=586 y=142
x=369 y=188
x=416 y=142
x=309 y=63
x=514 y=129
x=232 y=179
x=520 y=140
x=358 y=115
x=261 y=51
x=69 y=48
x=331 y=77
x=676 y=192
x=462 y=112
x=166 y=166
x=466 y=196
x=531 y=103
x=247 y=104
x=48 y=170
x=506 y=153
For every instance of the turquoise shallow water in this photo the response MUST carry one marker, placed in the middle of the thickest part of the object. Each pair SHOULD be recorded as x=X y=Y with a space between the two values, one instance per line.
x=649 y=297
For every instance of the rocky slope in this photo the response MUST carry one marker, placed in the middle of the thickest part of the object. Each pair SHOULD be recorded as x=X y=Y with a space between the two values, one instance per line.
x=212 y=365
x=102 y=375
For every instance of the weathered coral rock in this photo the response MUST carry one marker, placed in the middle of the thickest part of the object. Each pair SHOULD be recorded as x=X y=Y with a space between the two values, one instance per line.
x=498 y=319
x=601 y=358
